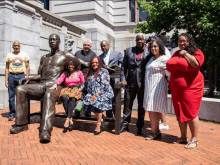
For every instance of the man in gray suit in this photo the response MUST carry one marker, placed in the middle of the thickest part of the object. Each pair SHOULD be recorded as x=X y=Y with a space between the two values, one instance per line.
x=110 y=57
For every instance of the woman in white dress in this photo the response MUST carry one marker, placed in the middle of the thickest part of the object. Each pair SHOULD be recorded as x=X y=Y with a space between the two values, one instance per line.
x=155 y=94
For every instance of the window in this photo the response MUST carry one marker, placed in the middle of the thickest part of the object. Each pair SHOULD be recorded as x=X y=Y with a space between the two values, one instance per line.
x=137 y=15
x=46 y=4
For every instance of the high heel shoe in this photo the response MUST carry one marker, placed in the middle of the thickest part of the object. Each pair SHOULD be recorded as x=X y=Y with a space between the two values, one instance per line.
x=98 y=127
x=65 y=129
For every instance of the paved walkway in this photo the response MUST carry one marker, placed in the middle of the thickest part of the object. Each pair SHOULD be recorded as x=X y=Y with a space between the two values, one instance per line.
x=80 y=146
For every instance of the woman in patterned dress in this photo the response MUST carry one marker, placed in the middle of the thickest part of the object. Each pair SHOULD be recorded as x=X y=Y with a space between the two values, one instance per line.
x=155 y=95
x=100 y=92
x=73 y=78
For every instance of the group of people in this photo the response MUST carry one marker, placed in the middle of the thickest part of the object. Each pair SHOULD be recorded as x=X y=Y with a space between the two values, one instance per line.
x=146 y=70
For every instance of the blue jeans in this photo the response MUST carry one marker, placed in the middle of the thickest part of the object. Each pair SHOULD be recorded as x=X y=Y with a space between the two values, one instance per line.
x=12 y=83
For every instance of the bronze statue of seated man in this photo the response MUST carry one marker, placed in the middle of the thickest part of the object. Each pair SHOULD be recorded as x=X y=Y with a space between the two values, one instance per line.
x=51 y=66
x=50 y=69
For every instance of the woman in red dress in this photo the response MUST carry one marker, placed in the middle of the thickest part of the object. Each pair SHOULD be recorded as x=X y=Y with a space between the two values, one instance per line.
x=187 y=86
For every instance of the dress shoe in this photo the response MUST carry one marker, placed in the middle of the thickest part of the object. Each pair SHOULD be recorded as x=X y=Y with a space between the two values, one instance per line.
x=18 y=129
x=139 y=131
x=123 y=129
x=45 y=136
x=65 y=129
x=96 y=133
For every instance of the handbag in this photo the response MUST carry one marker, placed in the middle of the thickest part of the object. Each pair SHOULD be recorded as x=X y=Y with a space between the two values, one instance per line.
x=80 y=107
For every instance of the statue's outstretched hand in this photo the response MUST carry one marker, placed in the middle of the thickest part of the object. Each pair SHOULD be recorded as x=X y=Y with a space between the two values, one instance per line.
x=24 y=81
x=27 y=80
x=111 y=67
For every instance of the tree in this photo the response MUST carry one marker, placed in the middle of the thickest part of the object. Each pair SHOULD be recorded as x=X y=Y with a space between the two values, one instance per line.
x=199 y=17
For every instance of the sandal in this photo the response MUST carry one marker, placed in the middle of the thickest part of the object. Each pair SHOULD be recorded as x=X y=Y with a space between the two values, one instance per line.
x=191 y=144
x=150 y=137
x=181 y=141
x=154 y=136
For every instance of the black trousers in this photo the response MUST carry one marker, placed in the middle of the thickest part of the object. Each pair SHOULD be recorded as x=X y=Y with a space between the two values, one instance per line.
x=130 y=94
x=69 y=105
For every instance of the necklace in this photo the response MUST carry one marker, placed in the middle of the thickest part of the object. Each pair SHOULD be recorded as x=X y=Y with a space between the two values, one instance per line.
x=73 y=75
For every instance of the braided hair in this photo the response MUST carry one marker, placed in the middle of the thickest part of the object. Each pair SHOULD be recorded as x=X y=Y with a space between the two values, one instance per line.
x=191 y=48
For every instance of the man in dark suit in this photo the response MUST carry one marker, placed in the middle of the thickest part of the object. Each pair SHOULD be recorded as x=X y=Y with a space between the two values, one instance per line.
x=132 y=78
x=110 y=57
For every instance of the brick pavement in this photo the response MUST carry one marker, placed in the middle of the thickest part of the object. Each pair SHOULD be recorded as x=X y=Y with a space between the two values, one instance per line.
x=80 y=146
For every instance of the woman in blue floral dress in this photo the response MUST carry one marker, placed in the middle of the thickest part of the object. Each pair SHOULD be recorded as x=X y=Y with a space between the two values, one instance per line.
x=100 y=92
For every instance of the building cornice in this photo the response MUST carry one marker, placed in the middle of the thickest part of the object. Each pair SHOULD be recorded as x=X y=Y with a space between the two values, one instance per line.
x=55 y=19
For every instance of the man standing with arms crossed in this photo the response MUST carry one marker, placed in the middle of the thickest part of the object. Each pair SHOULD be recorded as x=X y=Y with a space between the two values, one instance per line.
x=16 y=64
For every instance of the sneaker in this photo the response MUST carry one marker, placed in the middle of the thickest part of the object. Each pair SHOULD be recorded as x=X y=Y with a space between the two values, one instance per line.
x=10 y=118
x=163 y=127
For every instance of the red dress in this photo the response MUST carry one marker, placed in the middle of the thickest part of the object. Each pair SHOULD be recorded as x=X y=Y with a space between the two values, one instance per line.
x=187 y=85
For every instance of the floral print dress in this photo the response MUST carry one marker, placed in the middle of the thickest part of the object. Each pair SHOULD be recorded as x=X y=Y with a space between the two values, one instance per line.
x=101 y=85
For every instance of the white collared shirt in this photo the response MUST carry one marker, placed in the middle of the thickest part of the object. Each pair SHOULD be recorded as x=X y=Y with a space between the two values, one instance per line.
x=106 y=59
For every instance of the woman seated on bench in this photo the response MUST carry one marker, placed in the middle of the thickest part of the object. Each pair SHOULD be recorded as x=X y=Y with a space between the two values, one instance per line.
x=73 y=78
x=100 y=92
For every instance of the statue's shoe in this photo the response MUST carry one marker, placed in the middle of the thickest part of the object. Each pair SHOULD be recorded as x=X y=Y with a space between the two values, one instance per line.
x=45 y=136
x=18 y=129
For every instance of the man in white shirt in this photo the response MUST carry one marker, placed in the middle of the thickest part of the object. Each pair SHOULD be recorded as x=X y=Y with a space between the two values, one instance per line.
x=110 y=57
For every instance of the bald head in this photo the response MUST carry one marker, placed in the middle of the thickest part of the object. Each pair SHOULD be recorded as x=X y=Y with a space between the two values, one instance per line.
x=140 y=40
x=104 y=46
x=54 y=42
x=56 y=35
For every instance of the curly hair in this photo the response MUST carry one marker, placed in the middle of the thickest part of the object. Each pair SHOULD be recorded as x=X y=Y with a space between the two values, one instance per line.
x=160 y=45
x=90 y=68
x=74 y=61
x=191 y=49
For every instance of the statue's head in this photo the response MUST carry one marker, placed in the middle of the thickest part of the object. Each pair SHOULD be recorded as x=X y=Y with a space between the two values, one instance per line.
x=54 y=41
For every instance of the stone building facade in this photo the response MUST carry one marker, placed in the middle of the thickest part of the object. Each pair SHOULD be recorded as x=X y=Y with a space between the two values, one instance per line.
x=32 y=21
